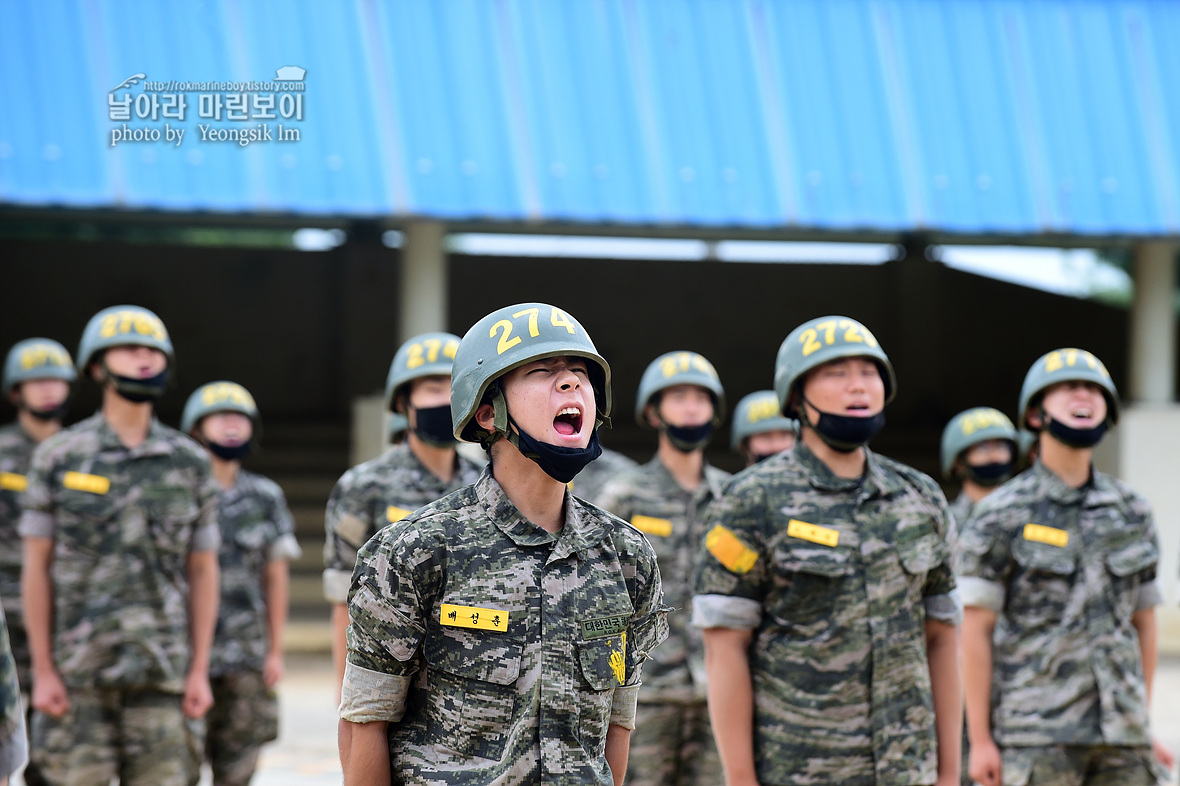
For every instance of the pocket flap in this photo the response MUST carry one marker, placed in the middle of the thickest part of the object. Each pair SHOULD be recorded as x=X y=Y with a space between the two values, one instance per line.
x=1044 y=557
x=604 y=661
x=924 y=554
x=474 y=654
x=818 y=561
x=1133 y=558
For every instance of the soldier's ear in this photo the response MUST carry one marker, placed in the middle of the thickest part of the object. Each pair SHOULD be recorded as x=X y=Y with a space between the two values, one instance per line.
x=485 y=417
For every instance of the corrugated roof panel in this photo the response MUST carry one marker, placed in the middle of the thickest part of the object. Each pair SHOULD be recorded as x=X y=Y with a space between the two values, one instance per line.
x=977 y=116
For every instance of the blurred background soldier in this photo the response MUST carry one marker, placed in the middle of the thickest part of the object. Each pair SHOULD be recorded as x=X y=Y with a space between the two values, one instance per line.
x=681 y=398
x=759 y=429
x=979 y=448
x=257 y=545
x=120 y=575
x=384 y=490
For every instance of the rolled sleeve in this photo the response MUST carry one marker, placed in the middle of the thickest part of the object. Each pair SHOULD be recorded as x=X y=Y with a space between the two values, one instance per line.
x=336 y=585
x=371 y=696
x=205 y=538
x=982 y=593
x=285 y=548
x=622 y=708
x=946 y=608
x=1149 y=596
x=36 y=524
x=726 y=611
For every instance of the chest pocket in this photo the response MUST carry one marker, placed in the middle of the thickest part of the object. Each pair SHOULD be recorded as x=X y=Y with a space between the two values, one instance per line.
x=1044 y=581
x=919 y=557
x=88 y=519
x=171 y=512
x=603 y=663
x=1129 y=565
x=810 y=578
x=471 y=697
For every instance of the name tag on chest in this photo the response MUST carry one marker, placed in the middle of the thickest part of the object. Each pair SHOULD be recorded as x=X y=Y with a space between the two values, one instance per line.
x=813 y=533
x=80 y=481
x=10 y=481
x=473 y=617
x=1039 y=533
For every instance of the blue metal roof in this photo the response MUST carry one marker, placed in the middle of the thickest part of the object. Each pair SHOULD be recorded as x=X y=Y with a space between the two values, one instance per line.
x=973 y=116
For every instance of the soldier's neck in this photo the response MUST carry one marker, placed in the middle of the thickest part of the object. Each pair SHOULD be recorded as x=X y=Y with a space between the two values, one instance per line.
x=129 y=420
x=687 y=469
x=538 y=497
x=225 y=472
x=440 y=461
x=37 y=429
x=1072 y=465
x=974 y=491
x=843 y=465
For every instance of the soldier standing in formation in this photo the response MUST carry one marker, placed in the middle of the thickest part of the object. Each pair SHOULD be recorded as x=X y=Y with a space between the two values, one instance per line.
x=498 y=634
x=1058 y=576
x=979 y=450
x=384 y=490
x=257 y=543
x=759 y=428
x=826 y=593
x=120 y=575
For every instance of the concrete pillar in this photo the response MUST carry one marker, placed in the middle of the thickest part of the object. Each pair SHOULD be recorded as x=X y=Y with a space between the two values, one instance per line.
x=1153 y=324
x=423 y=306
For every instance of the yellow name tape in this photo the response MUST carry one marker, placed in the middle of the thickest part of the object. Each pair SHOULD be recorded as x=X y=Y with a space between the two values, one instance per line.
x=13 y=482
x=394 y=513
x=812 y=532
x=652 y=525
x=1039 y=533
x=80 y=481
x=473 y=617
x=729 y=550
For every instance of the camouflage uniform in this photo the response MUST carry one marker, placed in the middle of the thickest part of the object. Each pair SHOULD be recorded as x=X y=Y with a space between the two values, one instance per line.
x=123 y=521
x=835 y=578
x=370 y=497
x=497 y=651
x=14 y=747
x=589 y=483
x=256 y=529
x=673 y=741
x=961 y=511
x=1064 y=569
x=16 y=452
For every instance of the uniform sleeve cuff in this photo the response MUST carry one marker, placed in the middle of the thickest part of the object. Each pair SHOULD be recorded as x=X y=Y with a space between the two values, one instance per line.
x=336 y=585
x=371 y=696
x=206 y=538
x=974 y=591
x=726 y=611
x=1149 y=596
x=622 y=707
x=36 y=524
x=285 y=548
x=946 y=608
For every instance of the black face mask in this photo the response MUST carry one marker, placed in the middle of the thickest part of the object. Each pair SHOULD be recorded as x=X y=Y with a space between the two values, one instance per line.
x=435 y=426
x=758 y=459
x=988 y=475
x=139 y=390
x=229 y=452
x=560 y=463
x=846 y=433
x=55 y=413
x=686 y=439
x=1076 y=437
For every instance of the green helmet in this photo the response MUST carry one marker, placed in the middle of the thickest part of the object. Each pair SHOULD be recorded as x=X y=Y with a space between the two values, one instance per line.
x=1066 y=365
x=427 y=355
x=972 y=427
x=679 y=368
x=36 y=358
x=217 y=397
x=819 y=341
x=757 y=413
x=510 y=337
x=120 y=326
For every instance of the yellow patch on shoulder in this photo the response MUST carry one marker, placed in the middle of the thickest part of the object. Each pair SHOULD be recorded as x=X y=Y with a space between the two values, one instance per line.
x=652 y=525
x=394 y=513
x=729 y=550
x=813 y=532
x=80 y=481
x=11 y=481
x=473 y=617
x=1039 y=533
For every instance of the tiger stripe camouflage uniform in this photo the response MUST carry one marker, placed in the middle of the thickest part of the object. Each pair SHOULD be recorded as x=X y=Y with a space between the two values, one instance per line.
x=123 y=521
x=16 y=453
x=1064 y=569
x=672 y=720
x=497 y=651
x=370 y=497
x=835 y=577
x=256 y=529
x=14 y=747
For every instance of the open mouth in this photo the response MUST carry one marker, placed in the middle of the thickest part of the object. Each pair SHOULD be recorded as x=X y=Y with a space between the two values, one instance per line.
x=568 y=422
x=858 y=410
x=1082 y=413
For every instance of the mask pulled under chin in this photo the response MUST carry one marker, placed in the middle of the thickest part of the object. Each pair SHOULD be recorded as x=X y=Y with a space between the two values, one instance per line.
x=140 y=391
x=1076 y=437
x=846 y=433
x=686 y=439
x=53 y=413
x=559 y=462
x=229 y=452
x=988 y=475
x=434 y=426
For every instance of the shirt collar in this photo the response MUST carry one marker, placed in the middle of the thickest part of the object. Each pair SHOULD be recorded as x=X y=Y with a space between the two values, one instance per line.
x=154 y=444
x=578 y=532
x=874 y=482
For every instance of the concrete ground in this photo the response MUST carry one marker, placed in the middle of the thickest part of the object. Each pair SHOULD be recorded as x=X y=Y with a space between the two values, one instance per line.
x=305 y=753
